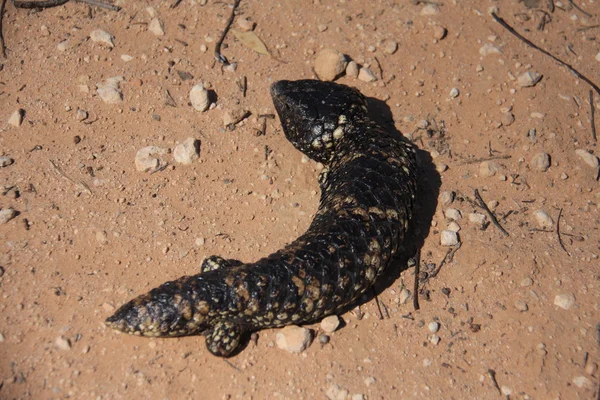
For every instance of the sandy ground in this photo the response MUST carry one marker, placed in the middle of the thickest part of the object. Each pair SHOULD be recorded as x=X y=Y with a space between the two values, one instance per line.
x=92 y=231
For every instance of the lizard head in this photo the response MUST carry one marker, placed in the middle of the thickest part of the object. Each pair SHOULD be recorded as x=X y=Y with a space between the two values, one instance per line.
x=315 y=115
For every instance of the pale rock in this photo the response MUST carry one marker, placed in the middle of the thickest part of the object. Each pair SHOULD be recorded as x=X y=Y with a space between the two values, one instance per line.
x=447 y=198
x=81 y=115
x=439 y=32
x=330 y=324
x=433 y=326
x=151 y=12
x=448 y=238
x=390 y=46
x=598 y=56
x=102 y=237
x=488 y=169
x=488 y=49
x=541 y=162
x=588 y=158
x=16 y=118
x=543 y=219
x=564 y=300
x=6 y=214
x=245 y=24
x=434 y=339
x=110 y=91
x=293 y=339
x=365 y=75
x=6 y=161
x=199 y=98
x=526 y=282
x=352 y=69
x=453 y=226
x=507 y=118
x=63 y=46
x=336 y=393
x=329 y=64
x=126 y=57
x=358 y=396
x=232 y=117
x=453 y=214
x=156 y=27
x=430 y=9
x=521 y=306
x=441 y=167
x=369 y=380
x=102 y=37
x=454 y=92
x=404 y=296
x=529 y=78
x=506 y=391
x=477 y=218
x=583 y=382
x=591 y=368
x=62 y=343
x=187 y=152
x=146 y=159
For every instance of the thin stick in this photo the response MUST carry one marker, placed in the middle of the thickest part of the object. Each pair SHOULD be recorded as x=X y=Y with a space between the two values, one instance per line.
x=489 y=212
x=416 y=283
x=530 y=44
x=175 y=4
x=100 y=4
x=447 y=258
x=558 y=232
x=592 y=113
x=476 y=160
x=2 y=46
x=581 y=10
x=218 y=56
x=492 y=375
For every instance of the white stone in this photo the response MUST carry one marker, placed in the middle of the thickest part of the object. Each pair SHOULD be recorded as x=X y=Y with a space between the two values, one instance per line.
x=6 y=214
x=365 y=75
x=336 y=393
x=564 y=300
x=541 y=162
x=404 y=296
x=330 y=324
x=506 y=391
x=390 y=47
x=6 y=161
x=63 y=343
x=529 y=78
x=156 y=27
x=583 y=382
x=352 y=69
x=433 y=326
x=245 y=24
x=454 y=92
x=488 y=49
x=294 y=339
x=102 y=37
x=477 y=218
x=446 y=198
x=126 y=57
x=488 y=169
x=521 y=305
x=588 y=158
x=453 y=214
x=430 y=9
x=543 y=220
x=16 y=118
x=454 y=227
x=598 y=56
x=146 y=159
x=329 y=64
x=187 y=152
x=199 y=97
x=448 y=238
x=63 y=46
x=435 y=339
x=110 y=91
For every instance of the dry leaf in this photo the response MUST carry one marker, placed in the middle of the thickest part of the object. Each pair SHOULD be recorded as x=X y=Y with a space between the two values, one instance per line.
x=250 y=40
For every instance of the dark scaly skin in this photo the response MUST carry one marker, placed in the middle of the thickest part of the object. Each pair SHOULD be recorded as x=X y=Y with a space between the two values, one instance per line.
x=367 y=196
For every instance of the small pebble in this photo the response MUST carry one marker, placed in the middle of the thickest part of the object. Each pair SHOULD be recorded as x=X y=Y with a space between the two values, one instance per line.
x=110 y=92
x=390 y=47
x=529 y=78
x=233 y=117
x=199 y=98
x=156 y=27
x=358 y=396
x=245 y=24
x=199 y=242
x=321 y=27
x=543 y=219
x=488 y=49
x=16 y=118
x=330 y=324
x=447 y=197
x=591 y=368
x=453 y=214
x=433 y=326
x=103 y=37
x=521 y=305
x=6 y=214
x=430 y=9
x=526 y=282
x=435 y=339
x=146 y=159
x=488 y=169
x=448 y=238
x=81 y=115
x=126 y=57
x=336 y=393
x=187 y=152
x=477 y=218
x=329 y=64
x=352 y=69
x=6 y=161
x=598 y=56
x=427 y=362
x=108 y=307
x=506 y=391
x=454 y=92
x=404 y=296
x=293 y=339
x=369 y=380
x=541 y=162
x=583 y=382
x=588 y=158
x=541 y=349
x=564 y=300
x=507 y=119
x=365 y=75
x=439 y=32
x=101 y=237
x=441 y=167
x=63 y=343
x=323 y=339
x=454 y=227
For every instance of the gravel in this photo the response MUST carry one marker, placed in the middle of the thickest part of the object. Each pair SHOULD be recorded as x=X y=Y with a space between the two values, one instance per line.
x=521 y=305
x=564 y=300
x=6 y=161
x=541 y=162
x=390 y=47
x=199 y=98
x=6 y=214
x=439 y=32
x=330 y=324
x=156 y=27
x=588 y=158
x=529 y=78
x=293 y=339
x=110 y=92
x=404 y=296
x=366 y=75
x=433 y=326
x=448 y=238
x=16 y=118
x=488 y=169
x=330 y=64
x=543 y=220
x=63 y=343
x=352 y=69
x=453 y=214
x=187 y=152
x=102 y=37
x=147 y=159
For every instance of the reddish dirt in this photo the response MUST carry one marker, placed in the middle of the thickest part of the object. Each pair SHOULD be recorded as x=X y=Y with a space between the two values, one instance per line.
x=72 y=255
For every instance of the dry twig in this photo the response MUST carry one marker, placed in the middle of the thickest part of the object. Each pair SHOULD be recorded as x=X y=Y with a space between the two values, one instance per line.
x=558 y=232
x=218 y=55
x=489 y=212
x=592 y=114
x=2 y=46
